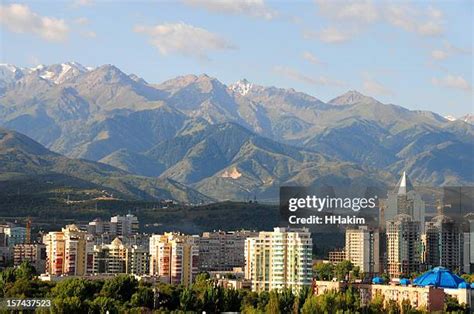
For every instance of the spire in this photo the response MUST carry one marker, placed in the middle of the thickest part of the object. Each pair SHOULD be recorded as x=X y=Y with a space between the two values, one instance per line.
x=404 y=185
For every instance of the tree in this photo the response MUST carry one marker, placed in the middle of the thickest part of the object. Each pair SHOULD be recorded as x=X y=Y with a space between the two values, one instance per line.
x=104 y=305
x=342 y=269
x=187 y=300
x=76 y=287
x=311 y=306
x=323 y=271
x=232 y=300
x=273 y=305
x=143 y=297
x=287 y=299
x=121 y=287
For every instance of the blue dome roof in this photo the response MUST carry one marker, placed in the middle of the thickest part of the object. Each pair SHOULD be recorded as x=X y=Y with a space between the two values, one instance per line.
x=463 y=285
x=439 y=277
x=377 y=280
x=472 y=285
x=404 y=282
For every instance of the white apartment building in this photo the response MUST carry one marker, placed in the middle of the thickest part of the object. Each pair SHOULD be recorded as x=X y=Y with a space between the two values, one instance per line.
x=279 y=259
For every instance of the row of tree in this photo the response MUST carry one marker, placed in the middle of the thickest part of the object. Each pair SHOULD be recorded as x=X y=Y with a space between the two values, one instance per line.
x=124 y=294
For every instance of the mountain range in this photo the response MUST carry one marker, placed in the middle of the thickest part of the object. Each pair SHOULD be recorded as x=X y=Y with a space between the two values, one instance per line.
x=225 y=141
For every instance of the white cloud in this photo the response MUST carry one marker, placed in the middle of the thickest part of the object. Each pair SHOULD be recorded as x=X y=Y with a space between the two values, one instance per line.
x=89 y=34
x=355 y=11
x=81 y=3
x=447 y=51
x=452 y=81
x=184 y=39
x=438 y=54
x=294 y=75
x=427 y=22
x=333 y=35
x=82 y=21
x=254 y=8
x=18 y=18
x=308 y=56
x=374 y=88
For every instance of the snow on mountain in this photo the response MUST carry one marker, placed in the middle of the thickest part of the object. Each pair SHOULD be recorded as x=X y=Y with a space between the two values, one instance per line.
x=10 y=73
x=60 y=73
x=450 y=118
x=469 y=118
x=242 y=87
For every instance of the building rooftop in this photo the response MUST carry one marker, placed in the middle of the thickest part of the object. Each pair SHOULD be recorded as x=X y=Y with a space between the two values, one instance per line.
x=440 y=277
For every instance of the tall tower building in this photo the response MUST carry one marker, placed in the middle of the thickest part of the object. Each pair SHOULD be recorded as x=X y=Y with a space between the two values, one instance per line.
x=404 y=200
x=68 y=252
x=403 y=246
x=443 y=245
x=279 y=259
x=174 y=257
x=362 y=249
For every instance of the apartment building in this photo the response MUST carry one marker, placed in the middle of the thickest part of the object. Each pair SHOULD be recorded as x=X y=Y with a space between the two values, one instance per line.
x=362 y=249
x=174 y=257
x=404 y=246
x=221 y=250
x=68 y=252
x=279 y=259
x=33 y=253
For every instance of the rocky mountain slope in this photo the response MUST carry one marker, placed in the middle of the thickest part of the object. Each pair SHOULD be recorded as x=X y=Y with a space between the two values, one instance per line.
x=160 y=130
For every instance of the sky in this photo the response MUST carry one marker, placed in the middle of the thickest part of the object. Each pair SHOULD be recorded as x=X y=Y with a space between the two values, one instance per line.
x=414 y=54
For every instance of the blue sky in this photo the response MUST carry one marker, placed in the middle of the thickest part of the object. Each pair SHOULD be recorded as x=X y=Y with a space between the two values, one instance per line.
x=415 y=54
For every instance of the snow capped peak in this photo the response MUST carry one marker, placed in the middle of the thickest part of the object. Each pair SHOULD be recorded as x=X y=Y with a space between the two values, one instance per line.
x=450 y=118
x=242 y=87
x=60 y=73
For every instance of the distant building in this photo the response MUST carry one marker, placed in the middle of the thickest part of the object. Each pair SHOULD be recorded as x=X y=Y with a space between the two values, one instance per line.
x=174 y=257
x=336 y=256
x=443 y=243
x=124 y=225
x=362 y=249
x=14 y=234
x=403 y=246
x=279 y=259
x=221 y=250
x=118 y=226
x=33 y=253
x=68 y=252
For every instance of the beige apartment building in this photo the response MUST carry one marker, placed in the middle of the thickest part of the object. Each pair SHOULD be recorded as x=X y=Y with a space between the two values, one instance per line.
x=221 y=250
x=68 y=252
x=362 y=249
x=279 y=259
x=404 y=246
x=174 y=257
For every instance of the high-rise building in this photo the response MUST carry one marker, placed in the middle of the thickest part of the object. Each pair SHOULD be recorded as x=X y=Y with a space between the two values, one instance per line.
x=120 y=258
x=404 y=200
x=362 y=249
x=110 y=258
x=174 y=257
x=33 y=253
x=403 y=246
x=124 y=225
x=221 y=250
x=68 y=252
x=279 y=259
x=137 y=260
x=443 y=243
x=14 y=234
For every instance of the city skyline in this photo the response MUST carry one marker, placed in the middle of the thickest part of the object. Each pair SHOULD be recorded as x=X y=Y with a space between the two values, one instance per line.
x=416 y=55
